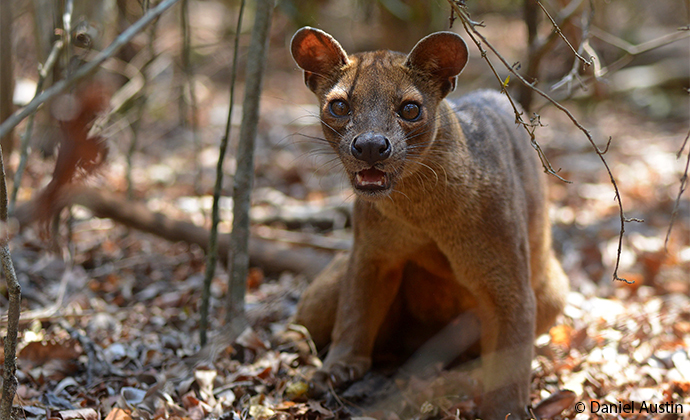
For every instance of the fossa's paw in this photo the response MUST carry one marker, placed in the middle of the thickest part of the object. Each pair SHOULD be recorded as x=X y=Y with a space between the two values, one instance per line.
x=337 y=374
x=493 y=408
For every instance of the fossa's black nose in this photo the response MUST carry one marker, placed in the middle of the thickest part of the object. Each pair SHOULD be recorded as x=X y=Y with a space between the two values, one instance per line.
x=371 y=148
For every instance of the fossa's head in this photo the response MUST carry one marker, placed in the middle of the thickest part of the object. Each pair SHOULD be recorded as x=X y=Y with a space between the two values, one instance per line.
x=379 y=109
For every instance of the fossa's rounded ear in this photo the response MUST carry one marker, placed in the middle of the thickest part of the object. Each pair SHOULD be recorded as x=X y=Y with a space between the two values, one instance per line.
x=441 y=54
x=317 y=53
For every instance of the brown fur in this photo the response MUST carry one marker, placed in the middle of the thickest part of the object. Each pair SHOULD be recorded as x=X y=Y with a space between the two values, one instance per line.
x=457 y=224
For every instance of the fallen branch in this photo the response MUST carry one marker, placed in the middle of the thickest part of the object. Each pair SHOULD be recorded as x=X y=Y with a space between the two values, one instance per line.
x=271 y=256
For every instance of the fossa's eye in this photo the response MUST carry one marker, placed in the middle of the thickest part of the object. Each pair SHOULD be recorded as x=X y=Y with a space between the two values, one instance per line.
x=410 y=111
x=339 y=108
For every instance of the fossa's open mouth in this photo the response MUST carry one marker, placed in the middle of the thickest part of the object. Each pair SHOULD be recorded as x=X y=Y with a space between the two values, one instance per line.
x=372 y=179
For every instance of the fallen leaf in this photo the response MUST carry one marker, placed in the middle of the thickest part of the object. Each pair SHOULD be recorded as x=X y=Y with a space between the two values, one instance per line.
x=38 y=353
x=255 y=278
x=296 y=390
x=555 y=404
x=79 y=414
x=316 y=406
x=561 y=335
x=118 y=414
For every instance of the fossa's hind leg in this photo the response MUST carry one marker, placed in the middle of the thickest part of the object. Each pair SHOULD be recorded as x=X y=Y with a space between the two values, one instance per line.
x=551 y=294
x=318 y=305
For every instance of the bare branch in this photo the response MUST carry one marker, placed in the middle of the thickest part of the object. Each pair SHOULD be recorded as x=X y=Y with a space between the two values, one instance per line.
x=189 y=116
x=558 y=31
x=531 y=127
x=472 y=32
x=244 y=175
x=574 y=73
x=43 y=70
x=643 y=47
x=212 y=254
x=539 y=48
x=563 y=17
x=9 y=384
x=633 y=50
x=6 y=73
x=141 y=99
x=681 y=190
x=88 y=68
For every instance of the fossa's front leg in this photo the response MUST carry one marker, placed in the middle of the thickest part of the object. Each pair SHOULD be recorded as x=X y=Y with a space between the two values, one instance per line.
x=367 y=294
x=507 y=341
x=367 y=291
x=498 y=278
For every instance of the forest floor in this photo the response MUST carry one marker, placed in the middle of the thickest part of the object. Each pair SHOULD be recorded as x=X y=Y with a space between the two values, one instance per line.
x=110 y=316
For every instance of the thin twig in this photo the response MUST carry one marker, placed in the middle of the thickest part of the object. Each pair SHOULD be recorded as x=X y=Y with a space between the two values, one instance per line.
x=9 y=385
x=470 y=28
x=6 y=72
x=539 y=48
x=681 y=190
x=86 y=69
x=141 y=105
x=531 y=127
x=563 y=18
x=190 y=93
x=212 y=254
x=636 y=49
x=633 y=50
x=685 y=142
x=43 y=71
x=558 y=30
x=67 y=34
x=14 y=291
x=574 y=73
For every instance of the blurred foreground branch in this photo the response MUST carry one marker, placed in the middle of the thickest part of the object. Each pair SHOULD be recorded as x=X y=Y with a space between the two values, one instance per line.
x=86 y=69
x=43 y=70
